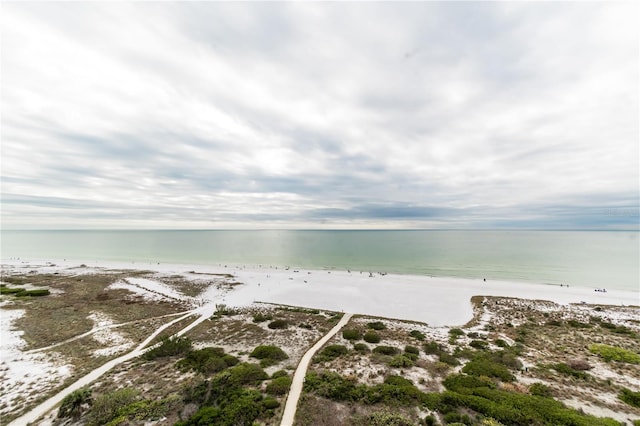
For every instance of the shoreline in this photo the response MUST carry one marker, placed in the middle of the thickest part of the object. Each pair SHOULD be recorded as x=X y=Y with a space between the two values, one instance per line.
x=436 y=301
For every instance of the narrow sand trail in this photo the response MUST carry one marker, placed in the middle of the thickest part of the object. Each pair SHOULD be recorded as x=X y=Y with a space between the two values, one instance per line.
x=48 y=405
x=95 y=330
x=298 y=378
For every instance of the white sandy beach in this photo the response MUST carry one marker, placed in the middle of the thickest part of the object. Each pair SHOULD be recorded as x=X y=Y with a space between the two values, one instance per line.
x=437 y=301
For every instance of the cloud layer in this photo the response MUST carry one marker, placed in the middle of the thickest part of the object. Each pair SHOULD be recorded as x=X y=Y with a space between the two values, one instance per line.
x=214 y=115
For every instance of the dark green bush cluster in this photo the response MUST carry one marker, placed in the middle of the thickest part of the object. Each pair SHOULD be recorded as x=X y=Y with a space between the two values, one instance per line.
x=386 y=350
x=509 y=408
x=331 y=352
x=75 y=404
x=578 y=324
x=376 y=325
x=382 y=418
x=21 y=292
x=361 y=347
x=260 y=317
x=482 y=366
x=456 y=332
x=630 y=397
x=169 y=346
x=540 y=389
x=401 y=361
x=224 y=310
x=124 y=405
x=479 y=344
x=619 y=329
x=371 y=337
x=351 y=334
x=417 y=334
x=432 y=348
x=563 y=368
x=394 y=391
x=278 y=324
x=279 y=385
x=207 y=360
x=268 y=355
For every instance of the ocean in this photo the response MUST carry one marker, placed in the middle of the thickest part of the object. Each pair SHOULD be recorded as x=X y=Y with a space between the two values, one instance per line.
x=590 y=259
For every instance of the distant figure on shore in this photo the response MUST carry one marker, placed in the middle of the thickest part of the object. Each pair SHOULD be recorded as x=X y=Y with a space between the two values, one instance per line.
x=484 y=279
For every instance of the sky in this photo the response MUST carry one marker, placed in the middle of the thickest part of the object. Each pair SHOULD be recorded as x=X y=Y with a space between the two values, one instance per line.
x=443 y=115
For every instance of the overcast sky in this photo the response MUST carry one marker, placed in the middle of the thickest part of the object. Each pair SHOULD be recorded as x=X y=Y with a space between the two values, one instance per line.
x=320 y=115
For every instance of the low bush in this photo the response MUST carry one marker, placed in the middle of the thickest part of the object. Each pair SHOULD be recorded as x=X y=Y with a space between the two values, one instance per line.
x=482 y=367
x=106 y=407
x=412 y=350
x=386 y=350
x=578 y=324
x=613 y=353
x=270 y=403
x=401 y=361
x=371 y=337
x=279 y=373
x=540 y=389
x=268 y=352
x=361 y=347
x=279 y=386
x=207 y=360
x=376 y=325
x=278 y=324
x=351 y=334
x=260 y=317
x=417 y=334
x=479 y=344
x=448 y=359
x=456 y=332
x=75 y=404
x=630 y=397
x=169 y=346
x=432 y=348
x=501 y=343
x=331 y=352
x=246 y=374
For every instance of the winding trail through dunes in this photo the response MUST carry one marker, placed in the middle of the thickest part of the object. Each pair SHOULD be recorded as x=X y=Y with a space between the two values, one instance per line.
x=51 y=403
x=298 y=378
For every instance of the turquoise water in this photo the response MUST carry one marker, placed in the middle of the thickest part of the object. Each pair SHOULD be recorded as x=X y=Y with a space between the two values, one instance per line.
x=599 y=259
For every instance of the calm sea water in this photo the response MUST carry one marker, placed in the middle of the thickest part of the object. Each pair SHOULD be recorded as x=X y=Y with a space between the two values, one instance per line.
x=600 y=259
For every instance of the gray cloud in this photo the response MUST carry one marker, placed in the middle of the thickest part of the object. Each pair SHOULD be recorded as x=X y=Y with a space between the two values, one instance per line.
x=451 y=115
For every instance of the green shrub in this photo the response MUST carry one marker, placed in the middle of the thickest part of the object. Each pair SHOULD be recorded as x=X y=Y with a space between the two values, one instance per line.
x=630 y=397
x=260 y=317
x=206 y=360
x=479 y=344
x=279 y=385
x=278 y=324
x=417 y=334
x=386 y=350
x=247 y=374
x=331 y=352
x=401 y=361
x=412 y=350
x=432 y=348
x=448 y=359
x=464 y=384
x=457 y=419
x=269 y=352
x=169 y=346
x=578 y=324
x=351 y=334
x=456 y=332
x=75 y=404
x=501 y=343
x=34 y=293
x=613 y=353
x=565 y=369
x=371 y=337
x=361 y=347
x=540 y=389
x=384 y=418
x=484 y=367
x=105 y=408
x=376 y=325
x=279 y=373
x=270 y=403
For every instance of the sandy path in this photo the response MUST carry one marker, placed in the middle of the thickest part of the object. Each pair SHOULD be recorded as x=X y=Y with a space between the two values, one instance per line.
x=298 y=378
x=51 y=403
x=95 y=330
